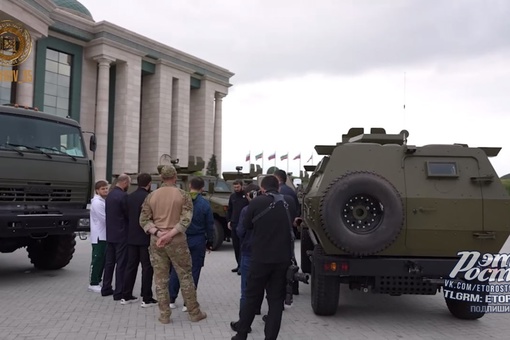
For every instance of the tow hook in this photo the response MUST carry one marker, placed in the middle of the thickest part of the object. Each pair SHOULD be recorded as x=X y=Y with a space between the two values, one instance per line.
x=413 y=268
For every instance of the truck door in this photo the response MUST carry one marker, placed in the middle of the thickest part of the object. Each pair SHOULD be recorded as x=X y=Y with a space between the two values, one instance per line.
x=443 y=202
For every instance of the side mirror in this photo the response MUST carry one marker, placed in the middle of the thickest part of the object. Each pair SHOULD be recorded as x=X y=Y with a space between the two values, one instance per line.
x=93 y=143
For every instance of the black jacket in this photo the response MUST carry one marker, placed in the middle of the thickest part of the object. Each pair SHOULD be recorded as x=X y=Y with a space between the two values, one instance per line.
x=236 y=203
x=116 y=216
x=136 y=235
x=271 y=233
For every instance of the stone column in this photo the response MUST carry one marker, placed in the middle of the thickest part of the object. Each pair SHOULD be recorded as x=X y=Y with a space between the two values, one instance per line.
x=101 y=122
x=156 y=118
x=218 y=97
x=126 y=131
x=25 y=86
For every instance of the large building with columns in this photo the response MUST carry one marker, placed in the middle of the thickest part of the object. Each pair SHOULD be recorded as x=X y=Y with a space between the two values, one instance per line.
x=141 y=98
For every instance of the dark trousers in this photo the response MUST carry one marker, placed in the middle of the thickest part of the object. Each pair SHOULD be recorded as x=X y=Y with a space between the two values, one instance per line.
x=97 y=263
x=135 y=256
x=236 y=244
x=271 y=278
x=196 y=245
x=116 y=258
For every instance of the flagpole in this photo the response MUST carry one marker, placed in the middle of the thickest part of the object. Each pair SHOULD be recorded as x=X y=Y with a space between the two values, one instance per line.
x=263 y=162
x=287 y=162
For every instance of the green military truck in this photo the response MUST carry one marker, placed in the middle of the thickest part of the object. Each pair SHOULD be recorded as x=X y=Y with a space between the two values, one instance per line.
x=46 y=181
x=216 y=191
x=384 y=216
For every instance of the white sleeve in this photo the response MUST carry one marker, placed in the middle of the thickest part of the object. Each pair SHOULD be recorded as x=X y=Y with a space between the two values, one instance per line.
x=97 y=208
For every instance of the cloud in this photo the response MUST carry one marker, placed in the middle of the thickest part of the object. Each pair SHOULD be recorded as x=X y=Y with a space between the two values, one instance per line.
x=294 y=115
x=308 y=71
x=261 y=40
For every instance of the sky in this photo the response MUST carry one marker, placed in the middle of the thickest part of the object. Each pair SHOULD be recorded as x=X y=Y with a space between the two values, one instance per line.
x=307 y=71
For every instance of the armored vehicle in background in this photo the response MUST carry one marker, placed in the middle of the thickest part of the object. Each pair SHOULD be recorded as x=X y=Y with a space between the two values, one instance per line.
x=216 y=191
x=46 y=181
x=246 y=177
x=387 y=217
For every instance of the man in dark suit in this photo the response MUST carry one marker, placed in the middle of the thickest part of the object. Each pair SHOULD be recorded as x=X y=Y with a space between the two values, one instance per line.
x=116 y=238
x=236 y=202
x=269 y=216
x=138 y=246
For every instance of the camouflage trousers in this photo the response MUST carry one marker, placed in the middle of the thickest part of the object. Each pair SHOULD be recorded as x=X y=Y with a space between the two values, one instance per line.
x=176 y=255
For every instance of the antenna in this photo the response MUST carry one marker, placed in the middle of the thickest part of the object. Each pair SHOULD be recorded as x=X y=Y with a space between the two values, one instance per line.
x=404 y=99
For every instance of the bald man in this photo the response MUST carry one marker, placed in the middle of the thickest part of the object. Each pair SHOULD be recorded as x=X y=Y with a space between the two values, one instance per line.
x=116 y=238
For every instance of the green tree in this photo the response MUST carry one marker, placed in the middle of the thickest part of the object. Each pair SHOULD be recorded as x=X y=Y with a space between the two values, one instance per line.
x=212 y=167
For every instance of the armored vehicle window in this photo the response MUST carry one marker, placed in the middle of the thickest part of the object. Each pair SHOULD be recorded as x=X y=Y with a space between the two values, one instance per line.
x=219 y=186
x=442 y=169
x=30 y=134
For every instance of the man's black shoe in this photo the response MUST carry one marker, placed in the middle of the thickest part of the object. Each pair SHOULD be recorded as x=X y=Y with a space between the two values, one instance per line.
x=235 y=270
x=106 y=292
x=233 y=326
x=238 y=336
x=117 y=297
x=258 y=312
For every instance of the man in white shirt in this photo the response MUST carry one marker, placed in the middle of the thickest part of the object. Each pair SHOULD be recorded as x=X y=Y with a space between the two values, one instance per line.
x=98 y=235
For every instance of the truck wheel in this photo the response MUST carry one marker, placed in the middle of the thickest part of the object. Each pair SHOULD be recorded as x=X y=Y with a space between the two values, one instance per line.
x=53 y=252
x=306 y=245
x=325 y=290
x=218 y=234
x=362 y=213
x=462 y=309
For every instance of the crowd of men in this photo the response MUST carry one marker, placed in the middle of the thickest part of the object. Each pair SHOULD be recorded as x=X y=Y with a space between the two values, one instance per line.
x=168 y=232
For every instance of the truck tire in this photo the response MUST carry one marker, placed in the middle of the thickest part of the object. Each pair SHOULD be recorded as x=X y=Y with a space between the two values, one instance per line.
x=219 y=234
x=362 y=213
x=53 y=252
x=325 y=289
x=462 y=309
x=306 y=245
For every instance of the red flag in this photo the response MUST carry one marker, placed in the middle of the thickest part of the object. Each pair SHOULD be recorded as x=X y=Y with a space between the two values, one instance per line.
x=297 y=157
x=273 y=156
x=248 y=157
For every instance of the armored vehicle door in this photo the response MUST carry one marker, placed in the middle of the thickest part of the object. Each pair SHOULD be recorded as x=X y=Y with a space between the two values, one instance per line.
x=444 y=206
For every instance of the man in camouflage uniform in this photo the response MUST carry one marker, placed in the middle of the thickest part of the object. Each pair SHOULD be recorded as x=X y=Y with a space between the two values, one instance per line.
x=166 y=214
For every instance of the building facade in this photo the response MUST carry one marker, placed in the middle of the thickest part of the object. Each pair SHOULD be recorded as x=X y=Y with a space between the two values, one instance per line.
x=141 y=98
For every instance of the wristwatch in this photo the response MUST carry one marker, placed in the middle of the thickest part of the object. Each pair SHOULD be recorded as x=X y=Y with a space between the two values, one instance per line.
x=156 y=233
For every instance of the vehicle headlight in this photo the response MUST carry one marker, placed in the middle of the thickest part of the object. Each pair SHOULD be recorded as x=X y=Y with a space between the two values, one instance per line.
x=84 y=222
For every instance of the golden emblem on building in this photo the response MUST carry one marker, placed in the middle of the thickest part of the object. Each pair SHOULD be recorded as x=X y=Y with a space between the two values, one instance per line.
x=15 y=43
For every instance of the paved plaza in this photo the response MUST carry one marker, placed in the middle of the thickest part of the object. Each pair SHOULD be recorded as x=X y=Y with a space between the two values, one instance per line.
x=37 y=305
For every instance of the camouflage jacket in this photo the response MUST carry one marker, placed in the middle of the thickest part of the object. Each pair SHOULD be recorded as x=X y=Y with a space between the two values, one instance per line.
x=166 y=208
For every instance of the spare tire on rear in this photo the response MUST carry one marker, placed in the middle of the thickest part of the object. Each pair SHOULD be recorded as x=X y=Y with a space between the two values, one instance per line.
x=362 y=213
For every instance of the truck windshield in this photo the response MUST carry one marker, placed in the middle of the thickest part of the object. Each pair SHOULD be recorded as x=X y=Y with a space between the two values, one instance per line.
x=219 y=186
x=29 y=134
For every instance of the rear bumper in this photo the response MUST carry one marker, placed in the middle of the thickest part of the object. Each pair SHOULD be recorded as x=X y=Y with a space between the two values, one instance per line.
x=18 y=224
x=384 y=266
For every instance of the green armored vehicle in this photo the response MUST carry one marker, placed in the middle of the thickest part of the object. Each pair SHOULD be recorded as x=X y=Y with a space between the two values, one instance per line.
x=383 y=216
x=246 y=177
x=46 y=181
x=216 y=191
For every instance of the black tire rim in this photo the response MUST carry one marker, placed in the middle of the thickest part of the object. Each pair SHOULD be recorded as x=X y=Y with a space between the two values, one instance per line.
x=362 y=213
